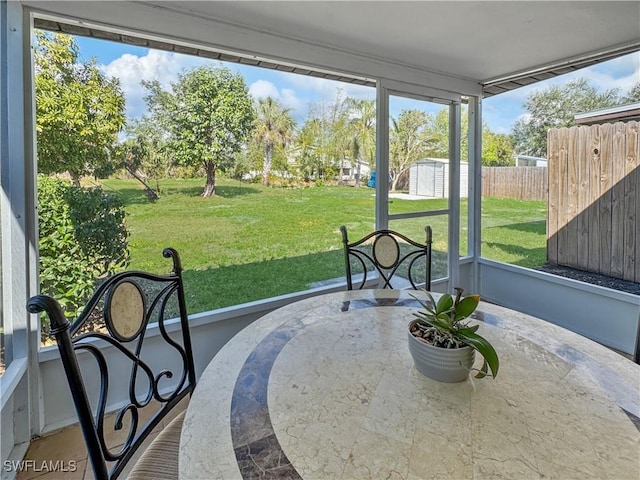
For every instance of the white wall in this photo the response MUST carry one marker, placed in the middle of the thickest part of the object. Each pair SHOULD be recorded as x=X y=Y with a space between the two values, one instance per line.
x=14 y=431
x=607 y=316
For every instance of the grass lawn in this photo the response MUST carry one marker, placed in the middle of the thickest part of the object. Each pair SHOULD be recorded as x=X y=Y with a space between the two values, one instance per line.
x=514 y=231
x=251 y=242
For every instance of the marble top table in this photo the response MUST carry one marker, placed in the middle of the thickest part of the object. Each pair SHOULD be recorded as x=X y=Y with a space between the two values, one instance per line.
x=325 y=388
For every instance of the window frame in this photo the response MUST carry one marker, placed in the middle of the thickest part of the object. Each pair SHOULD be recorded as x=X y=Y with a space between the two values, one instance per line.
x=19 y=384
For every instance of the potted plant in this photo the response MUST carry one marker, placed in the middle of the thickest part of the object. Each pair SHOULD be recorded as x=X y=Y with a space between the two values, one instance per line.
x=443 y=344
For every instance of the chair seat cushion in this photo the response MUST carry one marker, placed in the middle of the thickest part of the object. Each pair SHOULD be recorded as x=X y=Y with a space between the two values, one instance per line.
x=160 y=460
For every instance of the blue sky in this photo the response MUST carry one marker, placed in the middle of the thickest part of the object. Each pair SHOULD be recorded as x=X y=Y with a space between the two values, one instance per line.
x=132 y=64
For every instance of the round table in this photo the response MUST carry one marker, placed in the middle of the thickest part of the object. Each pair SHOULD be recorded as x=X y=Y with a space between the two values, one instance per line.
x=326 y=388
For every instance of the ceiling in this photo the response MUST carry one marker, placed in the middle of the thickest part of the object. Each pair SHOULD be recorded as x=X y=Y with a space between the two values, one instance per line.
x=501 y=45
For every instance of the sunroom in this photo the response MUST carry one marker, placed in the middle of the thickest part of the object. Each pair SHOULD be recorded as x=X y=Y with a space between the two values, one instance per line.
x=447 y=53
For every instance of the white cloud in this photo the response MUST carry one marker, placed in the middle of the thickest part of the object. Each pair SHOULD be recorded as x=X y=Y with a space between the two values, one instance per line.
x=358 y=91
x=315 y=84
x=502 y=111
x=287 y=97
x=299 y=92
x=156 y=65
x=622 y=72
x=326 y=90
x=290 y=99
x=296 y=92
x=262 y=89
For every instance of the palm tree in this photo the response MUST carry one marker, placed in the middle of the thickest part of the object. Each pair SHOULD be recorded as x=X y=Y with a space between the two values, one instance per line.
x=274 y=126
x=363 y=120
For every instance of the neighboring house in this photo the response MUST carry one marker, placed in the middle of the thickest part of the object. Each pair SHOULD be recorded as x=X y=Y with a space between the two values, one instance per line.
x=349 y=170
x=527 y=161
x=622 y=113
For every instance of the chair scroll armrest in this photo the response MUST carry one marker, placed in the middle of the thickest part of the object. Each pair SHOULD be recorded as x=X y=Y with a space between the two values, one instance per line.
x=44 y=303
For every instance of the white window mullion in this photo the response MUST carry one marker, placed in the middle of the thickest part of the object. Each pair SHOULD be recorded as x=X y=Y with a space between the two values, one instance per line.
x=18 y=219
x=454 y=193
x=382 y=156
x=475 y=187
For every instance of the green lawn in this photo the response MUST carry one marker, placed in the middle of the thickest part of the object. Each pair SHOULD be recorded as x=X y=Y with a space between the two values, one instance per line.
x=514 y=231
x=251 y=242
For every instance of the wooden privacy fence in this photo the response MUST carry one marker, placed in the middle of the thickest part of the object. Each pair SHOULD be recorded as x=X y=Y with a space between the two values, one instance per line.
x=523 y=183
x=593 y=220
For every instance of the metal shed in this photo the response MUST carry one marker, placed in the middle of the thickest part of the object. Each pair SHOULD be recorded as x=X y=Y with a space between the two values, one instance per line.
x=430 y=178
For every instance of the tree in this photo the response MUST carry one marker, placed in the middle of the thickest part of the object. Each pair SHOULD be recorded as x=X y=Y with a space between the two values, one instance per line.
x=497 y=149
x=408 y=142
x=337 y=143
x=439 y=133
x=79 y=111
x=309 y=149
x=325 y=138
x=633 y=95
x=274 y=126
x=362 y=115
x=555 y=107
x=207 y=115
x=144 y=154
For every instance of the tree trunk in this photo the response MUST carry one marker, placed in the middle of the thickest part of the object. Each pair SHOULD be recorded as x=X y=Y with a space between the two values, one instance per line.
x=75 y=178
x=266 y=168
x=210 y=186
x=358 y=162
x=150 y=192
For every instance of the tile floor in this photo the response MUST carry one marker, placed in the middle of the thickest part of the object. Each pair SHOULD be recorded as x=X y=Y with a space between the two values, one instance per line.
x=67 y=448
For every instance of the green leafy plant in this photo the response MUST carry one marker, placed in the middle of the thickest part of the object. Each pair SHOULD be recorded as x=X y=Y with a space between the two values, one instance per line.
x=442 y=324
x=79 y=110
x=83 y=238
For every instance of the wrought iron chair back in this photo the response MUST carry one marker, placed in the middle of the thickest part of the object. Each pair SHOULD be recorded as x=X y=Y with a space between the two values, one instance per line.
x=124 y=305
x=387 y=252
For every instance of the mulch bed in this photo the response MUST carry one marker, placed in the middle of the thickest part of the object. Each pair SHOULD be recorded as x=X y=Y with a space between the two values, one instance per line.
x=592 y=278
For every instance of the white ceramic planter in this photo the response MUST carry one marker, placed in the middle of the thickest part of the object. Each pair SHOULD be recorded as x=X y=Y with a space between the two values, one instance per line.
x=443 y=364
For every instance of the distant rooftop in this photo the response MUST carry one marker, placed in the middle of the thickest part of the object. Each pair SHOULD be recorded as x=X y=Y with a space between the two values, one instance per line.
x=529 y=161
x=607 y=115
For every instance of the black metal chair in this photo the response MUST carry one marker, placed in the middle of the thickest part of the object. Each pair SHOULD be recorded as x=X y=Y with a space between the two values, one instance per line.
x=112 y=350
x=390 y=254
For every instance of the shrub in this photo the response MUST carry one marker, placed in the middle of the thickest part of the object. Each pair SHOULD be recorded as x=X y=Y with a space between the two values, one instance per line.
x=83 y=238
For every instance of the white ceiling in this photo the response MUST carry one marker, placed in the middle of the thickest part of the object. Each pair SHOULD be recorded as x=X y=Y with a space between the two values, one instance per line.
x=473 y=40
x=456 y=46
